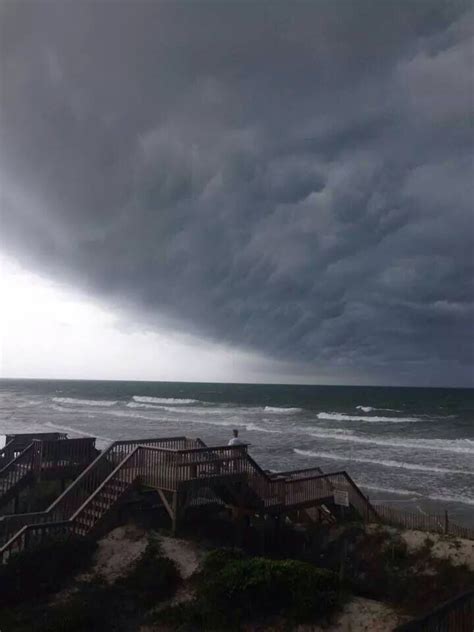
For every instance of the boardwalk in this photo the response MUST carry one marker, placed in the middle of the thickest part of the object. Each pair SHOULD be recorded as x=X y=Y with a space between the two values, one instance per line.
x=179 y=469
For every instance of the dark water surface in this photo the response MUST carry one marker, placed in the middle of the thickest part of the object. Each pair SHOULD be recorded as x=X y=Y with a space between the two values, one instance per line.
x=410 y=447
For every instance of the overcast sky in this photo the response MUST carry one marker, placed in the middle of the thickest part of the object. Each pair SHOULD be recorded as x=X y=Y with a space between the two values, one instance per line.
x=287 y=185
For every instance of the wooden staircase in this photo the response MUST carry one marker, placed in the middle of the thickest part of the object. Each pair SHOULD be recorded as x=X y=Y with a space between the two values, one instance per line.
x=47 y=459
x=16 y=443
x=91 y=495
x=178 y=468
x=99 y=505
x=18 y=473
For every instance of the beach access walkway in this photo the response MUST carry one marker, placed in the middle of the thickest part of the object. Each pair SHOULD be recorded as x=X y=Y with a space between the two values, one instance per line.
x=27 y=459
x=182 y=471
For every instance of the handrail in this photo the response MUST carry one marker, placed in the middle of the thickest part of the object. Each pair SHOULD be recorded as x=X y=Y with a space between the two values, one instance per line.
x=14 y=519
x=31 y=527
x=51 y=450
x=6 y=448
x=92 y=465
x=104 y=482
x=257 y=467
x=209 y=449
x=167 y=473
x=13 y=462
x=290 y=473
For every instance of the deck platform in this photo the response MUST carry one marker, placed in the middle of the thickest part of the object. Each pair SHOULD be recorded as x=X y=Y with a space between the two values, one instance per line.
x=181 y=470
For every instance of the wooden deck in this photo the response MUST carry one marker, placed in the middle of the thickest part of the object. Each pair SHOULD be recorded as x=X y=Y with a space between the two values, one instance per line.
x=44 y=459
x=179 y=469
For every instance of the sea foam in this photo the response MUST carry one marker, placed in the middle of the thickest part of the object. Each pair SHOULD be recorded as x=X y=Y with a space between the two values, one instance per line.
x=369 y=409
x=163 y=400
x=374 y=419
x=84 y=402
x=276 y=409
x=383 y=462
x=461 y=446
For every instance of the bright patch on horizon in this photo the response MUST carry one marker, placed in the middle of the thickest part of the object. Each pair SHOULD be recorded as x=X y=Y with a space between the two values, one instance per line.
x=50 y=331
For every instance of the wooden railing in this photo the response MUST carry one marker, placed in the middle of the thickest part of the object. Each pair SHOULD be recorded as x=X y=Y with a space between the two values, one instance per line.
x=67 y=452
x=456 y=615
x=16 y=443
x=296 y=488
x=168 y=463
x=84 y=485
x=304 y=473
x=6 y=453
x=27 y=462
x=45 y=455
x=32 y=534
x=423 y=522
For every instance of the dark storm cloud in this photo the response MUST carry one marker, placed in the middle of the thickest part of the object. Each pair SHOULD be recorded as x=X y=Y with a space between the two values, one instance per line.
x=290 y=177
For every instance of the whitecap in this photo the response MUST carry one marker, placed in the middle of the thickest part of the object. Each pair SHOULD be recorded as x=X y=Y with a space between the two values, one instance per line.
x=84 y=402
x=344 y=417
x=369 y=409
x=275 y=409
x=163 y=400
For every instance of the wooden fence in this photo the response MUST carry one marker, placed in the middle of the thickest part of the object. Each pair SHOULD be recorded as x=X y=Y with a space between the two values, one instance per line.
x=456 y=615
x=423 y=522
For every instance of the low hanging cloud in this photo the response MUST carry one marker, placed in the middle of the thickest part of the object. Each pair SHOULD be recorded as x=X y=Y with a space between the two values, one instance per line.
x=290 y=178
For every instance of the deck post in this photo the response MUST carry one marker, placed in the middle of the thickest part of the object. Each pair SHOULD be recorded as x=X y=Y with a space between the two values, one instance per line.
x=174 y=516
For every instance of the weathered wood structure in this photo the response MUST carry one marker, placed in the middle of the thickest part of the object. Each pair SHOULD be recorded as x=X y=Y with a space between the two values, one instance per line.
x=26 y=459
x=183 y=471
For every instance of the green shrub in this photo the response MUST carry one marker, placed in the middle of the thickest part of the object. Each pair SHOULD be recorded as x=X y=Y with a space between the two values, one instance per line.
x=34 y=573
x=231 y=589
x=219 y=558
x=264 y=586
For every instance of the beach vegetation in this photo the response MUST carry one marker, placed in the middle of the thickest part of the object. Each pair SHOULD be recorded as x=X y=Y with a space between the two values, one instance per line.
x=379 y=565
x=231 y=589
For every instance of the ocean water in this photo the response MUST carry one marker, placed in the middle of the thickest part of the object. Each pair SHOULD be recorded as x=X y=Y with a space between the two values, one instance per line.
x=412 y=448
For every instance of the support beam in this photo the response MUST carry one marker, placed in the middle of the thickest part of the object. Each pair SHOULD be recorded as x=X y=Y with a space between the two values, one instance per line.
x=165 y=503
x=174 y=519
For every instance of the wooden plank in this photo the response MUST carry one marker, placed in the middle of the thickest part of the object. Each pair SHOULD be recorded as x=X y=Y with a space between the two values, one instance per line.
x=165 y=503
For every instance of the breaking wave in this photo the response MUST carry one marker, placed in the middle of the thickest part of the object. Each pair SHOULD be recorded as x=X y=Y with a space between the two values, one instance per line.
x=343 y=417
x=84 y=402
x=461 y=446
x=369 y=409
x=276 y=409
x=163 y=400
x=384 y=463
